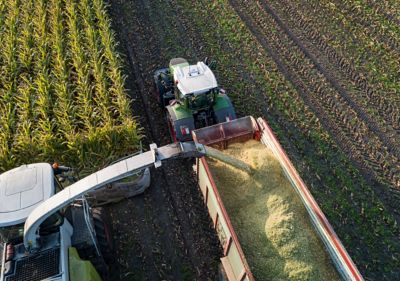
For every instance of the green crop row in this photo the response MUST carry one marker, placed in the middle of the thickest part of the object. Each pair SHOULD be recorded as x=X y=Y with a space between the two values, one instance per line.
x=388 y=9
x=358 y=9
x=62 y=95
x=257 y=87
x=370 y=55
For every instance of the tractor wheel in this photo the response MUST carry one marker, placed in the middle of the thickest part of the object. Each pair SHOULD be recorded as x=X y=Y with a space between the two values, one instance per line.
x=171 y=127
x=103 y=234
x=160 y=92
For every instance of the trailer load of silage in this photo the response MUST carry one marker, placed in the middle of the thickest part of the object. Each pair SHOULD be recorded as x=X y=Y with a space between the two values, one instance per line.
x=272 y=224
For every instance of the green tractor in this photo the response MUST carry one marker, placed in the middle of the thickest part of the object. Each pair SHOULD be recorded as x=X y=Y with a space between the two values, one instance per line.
x=192 y=98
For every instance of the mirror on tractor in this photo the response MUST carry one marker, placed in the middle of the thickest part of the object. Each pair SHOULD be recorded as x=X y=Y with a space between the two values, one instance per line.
x=210 y=63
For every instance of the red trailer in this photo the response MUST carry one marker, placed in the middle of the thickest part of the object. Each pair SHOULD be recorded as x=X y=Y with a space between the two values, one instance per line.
x=233 y=261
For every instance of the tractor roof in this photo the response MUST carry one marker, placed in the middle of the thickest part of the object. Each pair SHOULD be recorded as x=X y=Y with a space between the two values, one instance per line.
x=194 y=79
x=22 y=189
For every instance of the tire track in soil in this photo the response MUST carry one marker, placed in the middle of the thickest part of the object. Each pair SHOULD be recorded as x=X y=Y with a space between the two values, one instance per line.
x=365 y=94
x=380 y=163
x=187 y=200
x=192 y=245
x=356 y=153
x=349 y=44
x=377 y=159
x=372 y=125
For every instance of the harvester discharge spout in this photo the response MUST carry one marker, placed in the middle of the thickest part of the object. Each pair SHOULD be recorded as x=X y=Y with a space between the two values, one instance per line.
x=218 y=155
x=108 y=175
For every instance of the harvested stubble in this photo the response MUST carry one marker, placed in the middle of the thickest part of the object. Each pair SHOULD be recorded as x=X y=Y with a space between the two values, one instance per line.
x=272 y=225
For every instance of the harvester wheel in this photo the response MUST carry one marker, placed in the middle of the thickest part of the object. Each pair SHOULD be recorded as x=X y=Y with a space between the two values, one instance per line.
x=103 y=234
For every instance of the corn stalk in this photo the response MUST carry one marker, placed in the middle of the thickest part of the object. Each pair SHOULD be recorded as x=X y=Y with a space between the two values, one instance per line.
x=88 y=117
x=96 y=60
x=10 y=72
x=64 y=107
x=117 y=80
x=45 y=137
x=23 y=146
x=60 y=98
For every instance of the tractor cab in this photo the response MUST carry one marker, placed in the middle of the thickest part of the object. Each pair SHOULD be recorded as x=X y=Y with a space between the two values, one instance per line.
x=195 y=85
x=192 y=98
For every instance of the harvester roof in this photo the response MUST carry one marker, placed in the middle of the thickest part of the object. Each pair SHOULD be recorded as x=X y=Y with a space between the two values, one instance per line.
x=194 y=79
x=22 y=189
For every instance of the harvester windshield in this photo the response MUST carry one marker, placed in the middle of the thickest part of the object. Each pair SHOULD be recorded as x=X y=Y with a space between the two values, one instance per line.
x=11 y=232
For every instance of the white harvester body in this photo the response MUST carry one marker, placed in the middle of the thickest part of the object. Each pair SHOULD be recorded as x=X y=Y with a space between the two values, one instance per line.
x=22 y=189
x=52 y=248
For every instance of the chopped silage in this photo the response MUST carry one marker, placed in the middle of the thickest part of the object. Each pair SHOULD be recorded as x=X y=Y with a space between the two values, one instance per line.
x=272 y=225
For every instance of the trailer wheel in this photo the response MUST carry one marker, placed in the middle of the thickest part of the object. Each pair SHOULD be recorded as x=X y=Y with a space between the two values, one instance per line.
x=221 y=273
x=103 y=234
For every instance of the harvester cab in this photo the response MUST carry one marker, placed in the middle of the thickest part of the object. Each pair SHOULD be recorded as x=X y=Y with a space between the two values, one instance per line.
x=192 y=98
x=73 y=242
x=21 y=191
x=51 y=234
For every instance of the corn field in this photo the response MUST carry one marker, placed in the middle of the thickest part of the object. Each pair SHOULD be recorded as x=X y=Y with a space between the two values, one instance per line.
x=62 y=95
